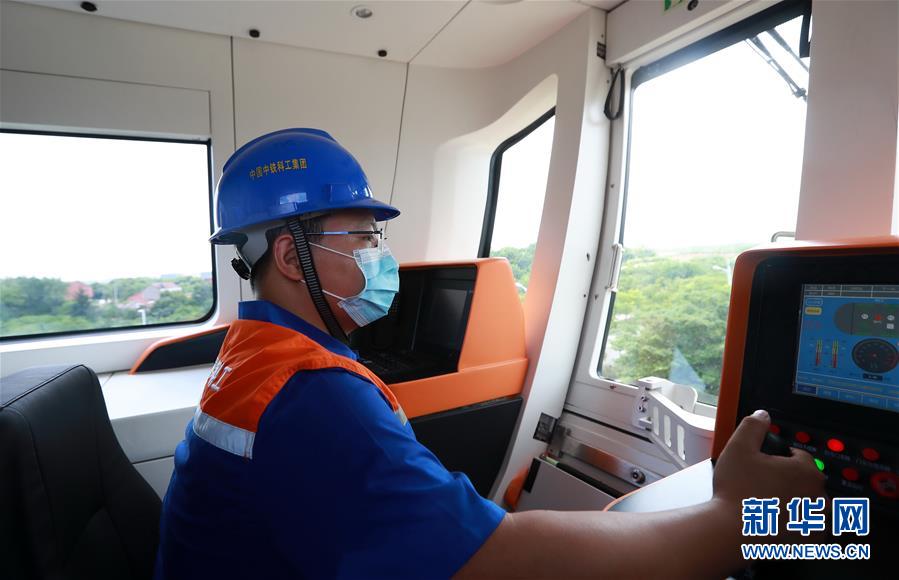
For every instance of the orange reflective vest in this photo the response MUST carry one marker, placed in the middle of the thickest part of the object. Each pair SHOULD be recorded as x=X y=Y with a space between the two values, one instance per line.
x=255 y=362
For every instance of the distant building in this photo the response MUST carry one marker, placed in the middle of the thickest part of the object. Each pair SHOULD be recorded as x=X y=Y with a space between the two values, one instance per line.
x=75 y=288
x=149 y=295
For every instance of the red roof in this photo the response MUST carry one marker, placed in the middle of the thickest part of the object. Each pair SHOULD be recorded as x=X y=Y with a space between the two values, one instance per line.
x=74 y=288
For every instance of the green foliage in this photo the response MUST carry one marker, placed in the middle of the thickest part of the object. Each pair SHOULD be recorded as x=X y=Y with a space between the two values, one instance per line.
x=25 y=296
x=176 y=307
x=670 y=312
x=520 y=259
x=81 y=307
x=119 y=289
x=39 y=305
x=43 y=323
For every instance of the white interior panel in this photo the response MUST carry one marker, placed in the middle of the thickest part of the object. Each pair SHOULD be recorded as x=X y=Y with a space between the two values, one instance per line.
x=636 y=28
x=88 y=105
x=401 y=27
x=37 y=39
x=848 y=183
x=157 y=473
x=150 y=410
x=452 y=33
x=453 y=121
x=358 y=101
x=487 y=34
x=131 y=67
x=554 y=489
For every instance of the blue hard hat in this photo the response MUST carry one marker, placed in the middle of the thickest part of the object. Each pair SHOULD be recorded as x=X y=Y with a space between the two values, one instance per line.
x=290 y=173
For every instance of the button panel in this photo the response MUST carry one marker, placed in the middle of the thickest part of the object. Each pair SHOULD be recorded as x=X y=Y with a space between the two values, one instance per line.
x=852 y=466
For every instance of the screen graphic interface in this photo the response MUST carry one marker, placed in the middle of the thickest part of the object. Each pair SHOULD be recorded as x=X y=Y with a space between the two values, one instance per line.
x=849 y=344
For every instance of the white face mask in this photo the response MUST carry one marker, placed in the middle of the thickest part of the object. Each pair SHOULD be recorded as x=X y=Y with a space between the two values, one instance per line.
x=382 y=281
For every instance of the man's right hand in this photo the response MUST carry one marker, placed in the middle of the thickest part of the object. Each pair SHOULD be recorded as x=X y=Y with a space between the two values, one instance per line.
x=743 y=471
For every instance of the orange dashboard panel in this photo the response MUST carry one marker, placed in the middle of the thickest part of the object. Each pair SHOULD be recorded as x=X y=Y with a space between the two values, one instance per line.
x=492 y=362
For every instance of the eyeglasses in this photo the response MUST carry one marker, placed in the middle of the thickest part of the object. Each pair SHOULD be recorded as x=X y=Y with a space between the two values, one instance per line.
x=375 y=236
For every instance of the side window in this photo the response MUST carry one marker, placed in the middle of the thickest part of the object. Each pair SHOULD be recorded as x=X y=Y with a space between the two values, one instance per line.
x=518 y=172
x=714 y=168
x=102 y=233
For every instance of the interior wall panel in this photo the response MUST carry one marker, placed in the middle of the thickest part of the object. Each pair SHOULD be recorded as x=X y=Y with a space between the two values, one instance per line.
x=849 y=184
x=357 y=100
x=453 y=121
x=128 y=78
x=95 y=106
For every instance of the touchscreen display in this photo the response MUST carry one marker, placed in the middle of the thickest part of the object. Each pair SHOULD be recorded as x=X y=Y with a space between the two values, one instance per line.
x=849 y=344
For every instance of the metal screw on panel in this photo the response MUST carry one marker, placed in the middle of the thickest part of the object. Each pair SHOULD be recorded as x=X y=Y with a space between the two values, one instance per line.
x=638 y=476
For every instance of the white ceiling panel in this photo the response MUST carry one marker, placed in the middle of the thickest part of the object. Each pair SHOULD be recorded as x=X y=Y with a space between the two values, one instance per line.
x=401 y=28
x=486 y=34
x=451 y=33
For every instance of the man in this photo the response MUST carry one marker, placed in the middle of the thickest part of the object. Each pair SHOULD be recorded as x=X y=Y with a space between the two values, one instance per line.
x=300 y=462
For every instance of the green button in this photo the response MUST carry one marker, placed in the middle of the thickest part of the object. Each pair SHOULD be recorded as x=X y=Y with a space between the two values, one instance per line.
x=820 y=464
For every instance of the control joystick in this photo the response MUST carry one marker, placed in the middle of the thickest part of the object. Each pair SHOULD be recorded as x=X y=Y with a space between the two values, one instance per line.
x=775 y=445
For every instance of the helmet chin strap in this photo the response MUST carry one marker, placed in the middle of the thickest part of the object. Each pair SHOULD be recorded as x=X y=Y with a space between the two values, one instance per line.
x=304 y=254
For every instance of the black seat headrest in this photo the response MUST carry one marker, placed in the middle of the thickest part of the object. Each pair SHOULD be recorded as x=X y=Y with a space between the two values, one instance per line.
x=73 y=504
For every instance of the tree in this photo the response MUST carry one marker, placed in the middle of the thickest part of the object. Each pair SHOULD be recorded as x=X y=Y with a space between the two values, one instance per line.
x=30 y=296
x=174 y=307
x=81 y=306
x=120 y=289
x=520 y=259
x=670 y=313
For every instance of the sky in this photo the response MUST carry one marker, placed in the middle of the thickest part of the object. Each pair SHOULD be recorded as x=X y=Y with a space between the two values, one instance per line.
x=522 y=188
x=716 y=158
x=92 y=209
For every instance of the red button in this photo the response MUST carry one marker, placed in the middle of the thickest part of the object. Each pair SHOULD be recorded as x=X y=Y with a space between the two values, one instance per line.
x=775 y=429
x=870 y=454
x=835 y=445
x=886 y=484
x=803 y=437
x=850 y=473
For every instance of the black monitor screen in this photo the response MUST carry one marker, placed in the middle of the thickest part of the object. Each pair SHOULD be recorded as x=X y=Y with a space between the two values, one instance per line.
x=849 y=344
x=445 y=317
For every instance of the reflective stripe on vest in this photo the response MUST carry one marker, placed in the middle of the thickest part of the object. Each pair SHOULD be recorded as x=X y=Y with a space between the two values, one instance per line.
x=255 y=362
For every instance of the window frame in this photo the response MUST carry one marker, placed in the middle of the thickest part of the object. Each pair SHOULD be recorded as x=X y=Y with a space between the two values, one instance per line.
x=601 y=399
x=495 y=172
x=746 y=28
x=211 y=313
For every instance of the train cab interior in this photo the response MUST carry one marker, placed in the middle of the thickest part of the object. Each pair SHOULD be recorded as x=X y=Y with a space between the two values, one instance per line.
x=625 y=226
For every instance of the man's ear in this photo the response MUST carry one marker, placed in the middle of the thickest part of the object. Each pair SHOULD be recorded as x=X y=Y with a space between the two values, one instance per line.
x=284 y=256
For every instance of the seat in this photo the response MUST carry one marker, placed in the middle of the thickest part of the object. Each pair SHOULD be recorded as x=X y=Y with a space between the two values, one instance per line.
x=72 y=504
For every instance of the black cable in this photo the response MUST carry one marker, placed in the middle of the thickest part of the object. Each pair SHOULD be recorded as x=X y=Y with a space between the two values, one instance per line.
x=304 y=254
x=607 y=109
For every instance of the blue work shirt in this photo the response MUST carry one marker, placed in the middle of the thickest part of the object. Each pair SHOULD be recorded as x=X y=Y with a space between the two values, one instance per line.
x=336 y=487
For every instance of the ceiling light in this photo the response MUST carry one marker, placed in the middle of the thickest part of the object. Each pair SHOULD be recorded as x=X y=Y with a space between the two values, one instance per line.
x=362 y=12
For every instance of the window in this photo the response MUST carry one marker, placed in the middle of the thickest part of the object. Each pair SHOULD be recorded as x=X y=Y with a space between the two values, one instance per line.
x=102 y=232
x=518 y=172
x=714 y=168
